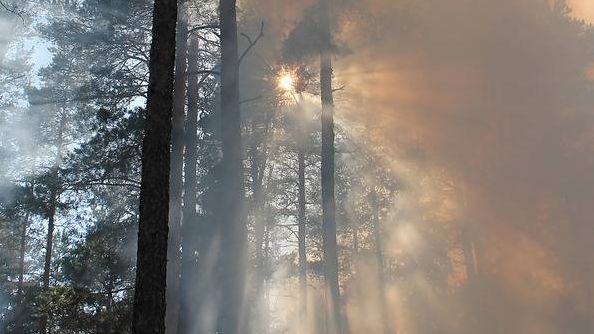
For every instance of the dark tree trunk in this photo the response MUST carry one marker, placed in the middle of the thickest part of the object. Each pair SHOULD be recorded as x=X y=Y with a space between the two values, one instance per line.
x=49 y=245
x=151 y=268
x=49 y=240
x=176 y=177
x=379 y=256
x=233 y=228
x=328 y=199
x=188 y=312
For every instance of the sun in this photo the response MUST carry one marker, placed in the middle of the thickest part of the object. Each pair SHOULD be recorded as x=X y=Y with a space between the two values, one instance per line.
x=286 y=82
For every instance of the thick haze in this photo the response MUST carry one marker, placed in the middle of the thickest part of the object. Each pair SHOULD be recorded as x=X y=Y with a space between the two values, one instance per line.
x=487 y=108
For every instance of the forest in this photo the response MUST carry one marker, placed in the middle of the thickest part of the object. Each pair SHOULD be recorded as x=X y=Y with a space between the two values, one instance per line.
x=296 y=166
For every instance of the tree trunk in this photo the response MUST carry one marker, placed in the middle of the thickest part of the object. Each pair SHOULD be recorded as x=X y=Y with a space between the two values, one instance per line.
x=51 y=216
x=261 y=325
x=151 y=269
x=49 y=243
x=176 y=177
x=328 y=200
x=22 y=251
x=188 y=312
x=379 y=257
x=19 y=324
x=302 y=219
x=233 y=228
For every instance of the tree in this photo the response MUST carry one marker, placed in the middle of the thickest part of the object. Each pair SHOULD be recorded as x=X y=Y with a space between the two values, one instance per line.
x=149 y=296
x=232 y=221
x=328 y=200
x=176 y=177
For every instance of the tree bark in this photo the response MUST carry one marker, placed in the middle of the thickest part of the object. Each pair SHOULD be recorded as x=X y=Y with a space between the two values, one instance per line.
x=176 y=177
x=233 y=228
x=328 y=199
x=148 y=316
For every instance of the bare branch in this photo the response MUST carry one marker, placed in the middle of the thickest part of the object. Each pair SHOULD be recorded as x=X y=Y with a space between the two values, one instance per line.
x=203 y=27
x=14 y=9
x=338 y=89
x=250 y=99
x=209 y=72
x=251 y=43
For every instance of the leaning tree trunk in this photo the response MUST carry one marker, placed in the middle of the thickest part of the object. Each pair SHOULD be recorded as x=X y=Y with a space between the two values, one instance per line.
x=151 y=268
x=233 y=229
x=328 y=199
x=176 y=177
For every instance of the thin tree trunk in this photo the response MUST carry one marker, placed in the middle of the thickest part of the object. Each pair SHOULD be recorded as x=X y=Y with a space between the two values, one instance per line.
x=301 y=222
x=328 y=199
x=176 y=177
x=22 y=251
x=258 y=161
x=51 y=217
x=151 y=269
x=49 y=244
x=19 y=325
x=261 y=326
x=233 y=228
x=188 y=312
x=379 y=256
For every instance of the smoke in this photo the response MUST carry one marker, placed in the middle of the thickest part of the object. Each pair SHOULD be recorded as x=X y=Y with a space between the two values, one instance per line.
x=495 y=94
x=483 y=111
x=582 y=9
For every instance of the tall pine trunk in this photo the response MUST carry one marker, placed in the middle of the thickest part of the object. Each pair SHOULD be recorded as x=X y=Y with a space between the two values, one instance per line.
x=176 y=177
x=328 y=199
x=148 y=316
x=233 y=229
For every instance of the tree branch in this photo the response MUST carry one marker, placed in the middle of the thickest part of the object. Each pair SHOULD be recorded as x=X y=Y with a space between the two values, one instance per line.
x=14 y=9
x=250 y=99
x=251 y=43
x=206 y=26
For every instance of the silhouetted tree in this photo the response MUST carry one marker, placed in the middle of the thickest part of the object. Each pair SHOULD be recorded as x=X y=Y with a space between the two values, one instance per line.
x=149 y=296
